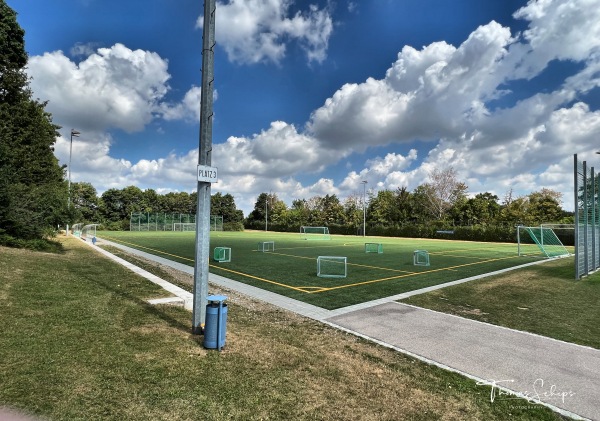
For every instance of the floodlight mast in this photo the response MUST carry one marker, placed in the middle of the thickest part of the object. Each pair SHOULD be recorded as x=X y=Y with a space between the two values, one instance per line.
x=202 y=254
x=364 y=183
x=76 y=134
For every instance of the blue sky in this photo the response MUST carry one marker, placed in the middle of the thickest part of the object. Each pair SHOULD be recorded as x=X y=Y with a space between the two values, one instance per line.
x=313 y=97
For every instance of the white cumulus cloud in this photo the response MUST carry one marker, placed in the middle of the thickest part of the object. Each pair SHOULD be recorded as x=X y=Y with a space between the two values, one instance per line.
x=252 y=31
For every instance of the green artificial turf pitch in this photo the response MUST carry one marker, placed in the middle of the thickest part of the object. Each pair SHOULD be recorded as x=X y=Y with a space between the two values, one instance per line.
x=291 y=269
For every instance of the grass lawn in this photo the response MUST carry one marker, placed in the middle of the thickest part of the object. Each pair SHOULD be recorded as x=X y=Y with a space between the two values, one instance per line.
x=79 y=342
x=544 y=299
x=291 y=270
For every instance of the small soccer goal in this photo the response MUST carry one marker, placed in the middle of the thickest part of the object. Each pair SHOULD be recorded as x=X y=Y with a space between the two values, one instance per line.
x=315 y=233
x=373 y=248
x=421 y=258
x=265 y=246
x=332 y=267
x=222 y=254
x=184 y=226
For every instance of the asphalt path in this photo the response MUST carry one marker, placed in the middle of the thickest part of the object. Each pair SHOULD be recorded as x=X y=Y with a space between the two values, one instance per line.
x=563 y=375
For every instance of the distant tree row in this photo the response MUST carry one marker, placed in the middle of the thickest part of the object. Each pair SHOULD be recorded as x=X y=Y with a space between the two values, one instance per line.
x=114 y=207
x=440 y=203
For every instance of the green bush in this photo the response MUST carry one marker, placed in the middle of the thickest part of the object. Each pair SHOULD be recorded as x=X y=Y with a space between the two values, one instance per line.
x=45 y=245
x=233 y=226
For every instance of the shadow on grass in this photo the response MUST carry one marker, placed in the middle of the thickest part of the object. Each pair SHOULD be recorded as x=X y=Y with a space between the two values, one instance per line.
x=152 y=309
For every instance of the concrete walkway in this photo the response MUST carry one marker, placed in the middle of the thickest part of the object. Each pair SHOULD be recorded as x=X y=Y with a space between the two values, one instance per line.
x=563 y=376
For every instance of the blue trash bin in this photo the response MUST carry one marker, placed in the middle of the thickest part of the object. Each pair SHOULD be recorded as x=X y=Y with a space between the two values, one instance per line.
x=215 y=326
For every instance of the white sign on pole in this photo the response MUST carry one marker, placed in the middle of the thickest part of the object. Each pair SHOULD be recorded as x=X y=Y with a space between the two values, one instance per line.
x=207 y=174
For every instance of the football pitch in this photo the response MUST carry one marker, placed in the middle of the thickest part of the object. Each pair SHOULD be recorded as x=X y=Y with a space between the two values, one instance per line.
x=291 y=268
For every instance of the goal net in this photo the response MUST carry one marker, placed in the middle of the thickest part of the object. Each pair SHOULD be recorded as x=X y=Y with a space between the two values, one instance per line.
x=315 y=233
x=216 y=223
x=421 y=258
x=373 y=248
x=544 y=238
x=184 y=226
x=222 y=254
x=332 y=267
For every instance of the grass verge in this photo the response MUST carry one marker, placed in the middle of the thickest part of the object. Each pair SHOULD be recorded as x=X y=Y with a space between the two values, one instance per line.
x=79 y=341
x=543 y=299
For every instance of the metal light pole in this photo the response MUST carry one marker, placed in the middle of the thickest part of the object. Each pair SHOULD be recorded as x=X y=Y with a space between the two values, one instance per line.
x=266 y=213
x=364 y=183
x=202 y=254
x=76 y=134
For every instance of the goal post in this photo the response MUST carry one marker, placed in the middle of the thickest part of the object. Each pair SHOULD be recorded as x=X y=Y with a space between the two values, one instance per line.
x=216 y=223
x=421 y=258
x=374 y=248
x=265 y=246
x=315 y=233
x=543 y=237
x=184 y=226
x=222 y=254
x=332 y=267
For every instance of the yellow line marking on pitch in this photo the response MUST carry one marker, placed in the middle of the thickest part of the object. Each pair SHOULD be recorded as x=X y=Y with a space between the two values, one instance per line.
x=411 y=274
x=349 y=264
x=301 y=289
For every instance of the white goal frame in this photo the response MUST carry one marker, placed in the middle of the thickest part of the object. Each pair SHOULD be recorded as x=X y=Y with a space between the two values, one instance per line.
x=265 y=246
x=340 y=259
x=374 y=248
x=222 y=254
x=421 y=258
x=315 y=233
x=184 y=226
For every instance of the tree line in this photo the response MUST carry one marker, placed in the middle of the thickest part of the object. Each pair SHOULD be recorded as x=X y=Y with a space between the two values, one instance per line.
x=442 y=204
x=114 y=207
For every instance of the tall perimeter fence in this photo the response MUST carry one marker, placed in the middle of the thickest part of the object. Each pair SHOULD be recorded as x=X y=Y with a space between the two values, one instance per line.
x=144 y=221
x=587 y=219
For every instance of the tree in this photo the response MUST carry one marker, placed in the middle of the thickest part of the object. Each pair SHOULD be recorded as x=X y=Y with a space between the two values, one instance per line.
x=481 y=209
x=260 y=209
x=404 y=204
x=443 y=191
x=267 y=208
x=180 y=202
x=299 y=213
x=544 y=206
x=33 y=192
x=331 y=210
x=84 y=200
x=224 y=205
x=382 y=208
x=353 y=209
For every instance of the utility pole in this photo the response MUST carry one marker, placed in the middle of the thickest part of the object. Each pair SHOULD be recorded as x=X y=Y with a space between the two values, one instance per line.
x=206 y=173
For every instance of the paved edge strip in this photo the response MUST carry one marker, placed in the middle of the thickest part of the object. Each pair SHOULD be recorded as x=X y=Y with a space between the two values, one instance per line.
x=173 y=289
